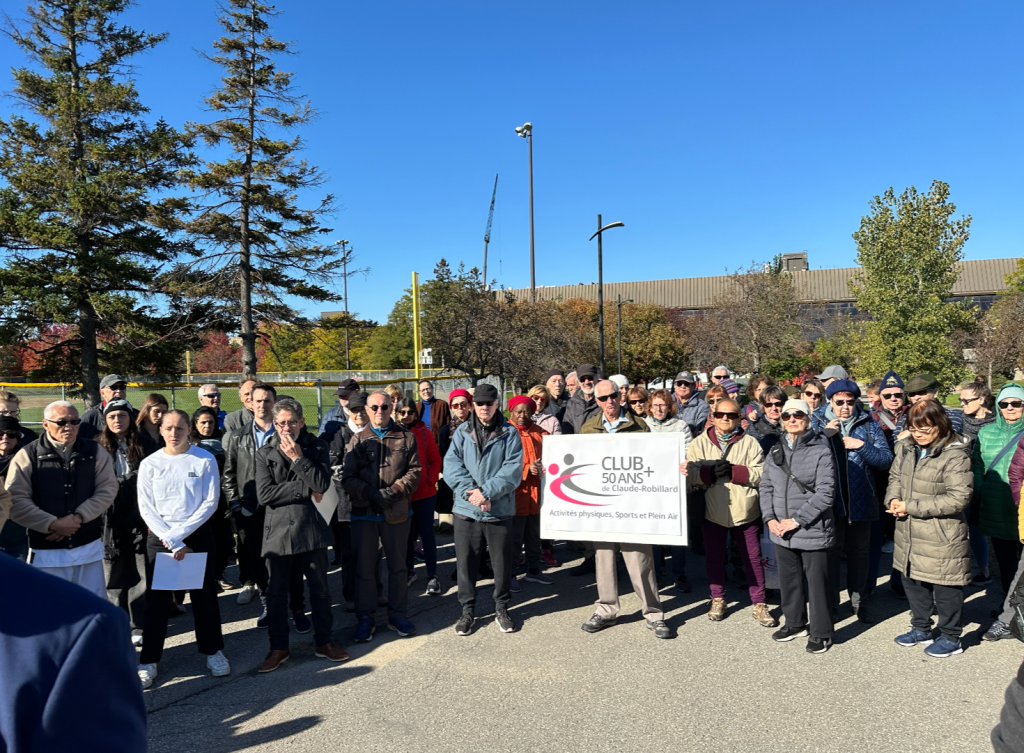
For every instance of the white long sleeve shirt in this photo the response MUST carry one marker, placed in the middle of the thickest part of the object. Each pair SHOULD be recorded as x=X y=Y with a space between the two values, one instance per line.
x=178 y=493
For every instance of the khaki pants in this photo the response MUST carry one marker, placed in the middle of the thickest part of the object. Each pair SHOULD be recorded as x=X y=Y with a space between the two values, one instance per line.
x=640 y=565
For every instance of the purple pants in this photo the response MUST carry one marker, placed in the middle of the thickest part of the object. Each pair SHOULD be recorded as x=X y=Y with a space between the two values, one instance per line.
x=748 y=542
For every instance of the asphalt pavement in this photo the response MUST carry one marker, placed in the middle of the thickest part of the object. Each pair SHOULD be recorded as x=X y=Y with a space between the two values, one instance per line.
x=549 y=686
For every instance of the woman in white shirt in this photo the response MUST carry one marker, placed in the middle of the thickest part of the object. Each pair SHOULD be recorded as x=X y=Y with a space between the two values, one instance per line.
x=179 y=487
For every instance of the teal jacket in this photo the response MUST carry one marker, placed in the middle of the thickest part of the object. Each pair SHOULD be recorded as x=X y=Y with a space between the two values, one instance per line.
x=997 y=514
x=496 y=469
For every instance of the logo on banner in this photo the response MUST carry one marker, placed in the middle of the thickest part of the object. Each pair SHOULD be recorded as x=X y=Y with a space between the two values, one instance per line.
x=615 y=476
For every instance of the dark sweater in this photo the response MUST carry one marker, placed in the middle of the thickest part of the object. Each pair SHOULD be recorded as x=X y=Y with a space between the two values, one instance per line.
x=1008 y=735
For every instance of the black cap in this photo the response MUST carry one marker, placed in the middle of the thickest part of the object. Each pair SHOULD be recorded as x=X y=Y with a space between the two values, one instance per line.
x=586 y=369
x=554 y=372
x=347 y=387
x=114 y=405
x=485 y=392
x=10 y=423
x=357 y=401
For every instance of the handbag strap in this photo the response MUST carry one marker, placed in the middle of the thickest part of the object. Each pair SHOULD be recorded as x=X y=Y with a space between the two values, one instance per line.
x=1003 y=452
x=779 y=456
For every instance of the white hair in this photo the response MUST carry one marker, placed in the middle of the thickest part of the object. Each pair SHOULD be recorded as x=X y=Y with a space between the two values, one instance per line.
x=202 y=389
x=571 y=374
x=49 y=410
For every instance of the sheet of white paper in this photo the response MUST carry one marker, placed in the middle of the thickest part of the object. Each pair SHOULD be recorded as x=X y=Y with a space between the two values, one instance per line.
x=328 y=504
x=171 y=575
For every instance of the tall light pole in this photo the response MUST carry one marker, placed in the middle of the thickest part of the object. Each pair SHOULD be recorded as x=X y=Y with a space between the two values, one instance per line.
x=526 y=132
x=344 y=276
x=619 y=329
x=600 y=286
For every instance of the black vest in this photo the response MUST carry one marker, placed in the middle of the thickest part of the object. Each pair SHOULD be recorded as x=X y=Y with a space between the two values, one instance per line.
x=59 y=487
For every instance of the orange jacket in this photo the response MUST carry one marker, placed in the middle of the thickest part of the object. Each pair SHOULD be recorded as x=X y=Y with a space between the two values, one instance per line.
x=528 y=493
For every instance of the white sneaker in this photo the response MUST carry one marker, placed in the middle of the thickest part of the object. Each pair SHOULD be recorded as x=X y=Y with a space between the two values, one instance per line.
x=247 y=593
x=137 y=639
x=218 y=665
x=147 y=673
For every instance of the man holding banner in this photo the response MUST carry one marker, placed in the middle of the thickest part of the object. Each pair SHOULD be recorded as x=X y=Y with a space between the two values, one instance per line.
x=639 y=558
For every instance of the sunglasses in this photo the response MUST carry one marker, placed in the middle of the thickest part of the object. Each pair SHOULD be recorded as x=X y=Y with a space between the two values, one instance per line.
x=637 y=402
x=729 y=415
x=119 y=387
x=485 y=403
x=211 y=394
x=717 y=378
x=841 y=403
x=891 y=395
x=918 y=394
x=64 y=422
x=10 y=434
x=799 y=414
x=604 y=398
x=774 y=404
x=406 y=412
x=969 y=400
x=461 y=404
x=1006 y=404
x=812 y=393
x=680 y=383
x=376 y=408
x=586 y=379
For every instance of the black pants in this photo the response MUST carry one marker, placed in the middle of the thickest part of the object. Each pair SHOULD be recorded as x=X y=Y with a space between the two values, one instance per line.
x=209 y=639
x=526 y=530
x=223 y=537
x=1008 y=554
x=250 y=551
x=126 y=581
x=367 y=538
x=853 y=538
x=794 y=566
x=469 y=544
x=343 y=550
x=282 y=573
x=949 y=603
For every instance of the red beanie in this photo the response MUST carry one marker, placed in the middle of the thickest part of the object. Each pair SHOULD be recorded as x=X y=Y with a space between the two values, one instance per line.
x=522 y=400
x=459 y=393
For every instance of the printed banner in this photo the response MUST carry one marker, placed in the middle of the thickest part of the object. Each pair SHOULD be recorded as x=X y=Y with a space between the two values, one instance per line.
x=613 y=487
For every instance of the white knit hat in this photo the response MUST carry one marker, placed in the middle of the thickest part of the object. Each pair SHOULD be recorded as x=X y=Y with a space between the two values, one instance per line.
x=792 y=405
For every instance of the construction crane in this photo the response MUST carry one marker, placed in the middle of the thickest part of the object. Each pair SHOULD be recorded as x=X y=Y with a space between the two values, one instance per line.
x=487 y=232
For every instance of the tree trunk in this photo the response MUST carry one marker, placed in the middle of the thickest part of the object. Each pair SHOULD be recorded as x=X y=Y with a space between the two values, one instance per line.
x=248 y=325
x=87 y=328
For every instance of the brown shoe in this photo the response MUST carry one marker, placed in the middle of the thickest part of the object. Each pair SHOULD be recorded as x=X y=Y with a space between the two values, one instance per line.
x=762 y=615
x=717 y=611
x=332 y=652
x=274 y=659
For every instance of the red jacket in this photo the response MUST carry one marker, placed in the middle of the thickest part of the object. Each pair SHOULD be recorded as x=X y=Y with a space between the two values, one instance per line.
x=430 y=460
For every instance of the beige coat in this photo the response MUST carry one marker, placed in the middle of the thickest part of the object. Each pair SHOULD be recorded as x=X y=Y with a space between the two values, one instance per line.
x=734 y=502
x=932 y=541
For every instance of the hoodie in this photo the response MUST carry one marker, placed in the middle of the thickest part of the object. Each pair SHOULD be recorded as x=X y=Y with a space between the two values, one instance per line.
x=997 y=514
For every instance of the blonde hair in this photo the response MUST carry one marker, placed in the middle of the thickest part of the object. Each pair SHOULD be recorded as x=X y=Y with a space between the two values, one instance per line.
x=394 y=392
x=539 y=390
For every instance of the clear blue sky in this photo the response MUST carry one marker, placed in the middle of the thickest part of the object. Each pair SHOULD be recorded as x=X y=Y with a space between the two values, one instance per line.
x=720 y=133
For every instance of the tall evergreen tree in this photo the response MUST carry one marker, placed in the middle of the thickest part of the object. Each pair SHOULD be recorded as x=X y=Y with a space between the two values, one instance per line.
x=77 y=216
x=257 y=244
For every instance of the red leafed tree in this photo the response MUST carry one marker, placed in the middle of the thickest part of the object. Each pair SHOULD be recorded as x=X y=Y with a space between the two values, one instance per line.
x=218 y=355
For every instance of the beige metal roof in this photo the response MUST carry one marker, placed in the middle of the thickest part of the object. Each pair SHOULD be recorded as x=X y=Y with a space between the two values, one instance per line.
x=986 y=276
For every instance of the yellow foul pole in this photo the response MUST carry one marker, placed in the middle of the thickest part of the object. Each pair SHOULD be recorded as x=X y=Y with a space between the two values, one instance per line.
x=416 y=321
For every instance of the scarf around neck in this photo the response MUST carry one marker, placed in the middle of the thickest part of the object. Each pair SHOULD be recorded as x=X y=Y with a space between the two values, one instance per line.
x=845 y=424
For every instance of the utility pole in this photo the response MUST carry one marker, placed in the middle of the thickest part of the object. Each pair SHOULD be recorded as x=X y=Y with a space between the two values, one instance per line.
x=416 y=322
x=619 y=329
x=344 y=274
x=600 y=288
x=526 y=132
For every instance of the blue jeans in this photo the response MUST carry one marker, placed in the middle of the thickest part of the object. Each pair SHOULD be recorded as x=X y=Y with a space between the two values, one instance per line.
x=423 y=527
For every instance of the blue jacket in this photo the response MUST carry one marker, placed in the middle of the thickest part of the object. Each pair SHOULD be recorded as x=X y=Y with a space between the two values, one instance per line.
x=68 y=668
x=496 y=470
x=855 y=469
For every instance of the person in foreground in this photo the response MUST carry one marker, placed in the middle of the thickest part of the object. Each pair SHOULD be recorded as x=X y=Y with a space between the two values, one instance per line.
x=797 y=490
x=178 y=490
x=639 y=558
x=51 y=658
x=292 y=470
x=929 y=490
x=484 y=465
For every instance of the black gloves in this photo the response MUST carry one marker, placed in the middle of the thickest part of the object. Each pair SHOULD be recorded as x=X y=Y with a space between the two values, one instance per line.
x=382 y=499
x=388 y=494
x=723 y=468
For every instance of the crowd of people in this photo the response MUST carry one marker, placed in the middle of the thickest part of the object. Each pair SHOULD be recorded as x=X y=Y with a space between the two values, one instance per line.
x=807 y=477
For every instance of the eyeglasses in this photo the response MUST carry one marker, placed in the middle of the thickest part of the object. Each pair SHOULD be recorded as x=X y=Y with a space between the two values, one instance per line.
x=64 y=422
x=12 y=413
x=969 y=400
x=726 y=415
x=812 y=393
x=287 y=424
x=461 y=404
x=10 y=434
x=485 y=403
x=658 y=406
x=715 y=400
x=774 y=404
x=603 y=398
x=1007 y=404
x=891 y=395
x=381 y=408
x=680 y=383
x=798 y=414
x=841 y=403
x=922 y=429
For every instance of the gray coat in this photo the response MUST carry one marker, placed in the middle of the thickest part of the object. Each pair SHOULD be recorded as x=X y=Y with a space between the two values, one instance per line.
x=932 y=541
x=694 y=412
x=810 y=460
x=237 y=420
x=285 y=488
x=577 y=411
